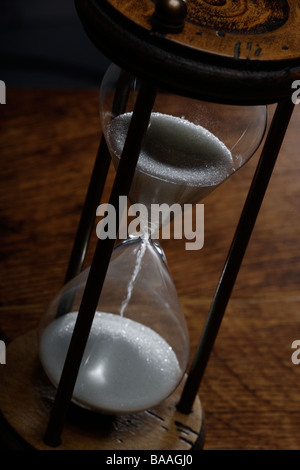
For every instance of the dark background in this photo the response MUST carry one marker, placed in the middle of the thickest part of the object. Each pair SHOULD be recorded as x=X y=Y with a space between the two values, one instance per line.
x=43 y=44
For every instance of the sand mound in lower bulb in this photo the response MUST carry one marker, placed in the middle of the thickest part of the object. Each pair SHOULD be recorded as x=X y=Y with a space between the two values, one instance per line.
x=126 y=367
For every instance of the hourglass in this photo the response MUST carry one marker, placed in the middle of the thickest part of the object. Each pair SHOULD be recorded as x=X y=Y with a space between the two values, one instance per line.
x=137 y=350
x=183 y=109
x=167 y=149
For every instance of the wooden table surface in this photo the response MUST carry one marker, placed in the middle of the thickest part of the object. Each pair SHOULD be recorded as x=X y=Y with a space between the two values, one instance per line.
x=250 y=392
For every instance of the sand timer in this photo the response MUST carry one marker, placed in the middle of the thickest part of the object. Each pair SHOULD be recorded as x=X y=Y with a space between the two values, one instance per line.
x=138 y=348
x=185 y=109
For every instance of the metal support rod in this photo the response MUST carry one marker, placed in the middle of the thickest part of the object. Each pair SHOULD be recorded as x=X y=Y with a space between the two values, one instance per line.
x=86 y=222
x=94 y=193
x=99 y=265
x=96 y=185
x=236 y=253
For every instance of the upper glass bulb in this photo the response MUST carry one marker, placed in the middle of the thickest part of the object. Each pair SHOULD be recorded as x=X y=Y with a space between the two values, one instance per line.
x=190 y=146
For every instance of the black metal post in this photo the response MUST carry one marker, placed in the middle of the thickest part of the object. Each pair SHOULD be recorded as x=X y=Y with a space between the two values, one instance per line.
x=86 y=222
x=96 y=185
x=94 y=193
x=236 y=253
x=99 y=266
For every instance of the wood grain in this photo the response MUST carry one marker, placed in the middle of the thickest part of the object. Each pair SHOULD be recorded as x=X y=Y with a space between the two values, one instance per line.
x=241 y=16
x=265 y=30
x=250 y=392
x=223 y=62
x=159 y=428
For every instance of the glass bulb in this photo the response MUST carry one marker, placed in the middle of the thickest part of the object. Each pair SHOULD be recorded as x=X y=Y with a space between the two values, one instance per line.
x=138 y=347
x=190 y=147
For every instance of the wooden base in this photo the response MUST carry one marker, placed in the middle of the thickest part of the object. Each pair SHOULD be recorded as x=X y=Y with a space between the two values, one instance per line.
x=26 y=397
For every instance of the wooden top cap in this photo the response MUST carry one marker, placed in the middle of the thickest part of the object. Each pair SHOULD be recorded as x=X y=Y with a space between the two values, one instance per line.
x=240 y=51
